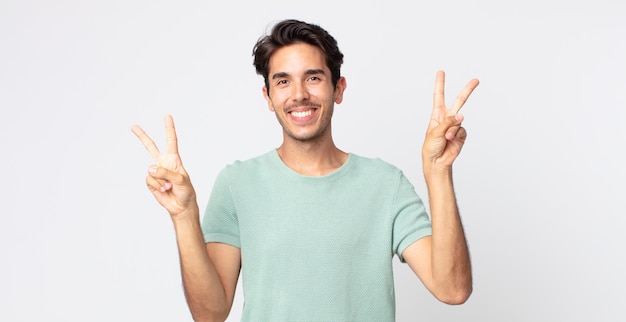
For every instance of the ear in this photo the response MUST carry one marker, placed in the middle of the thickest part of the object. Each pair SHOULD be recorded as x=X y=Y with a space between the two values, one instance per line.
x=267 y=97
x=341 y=86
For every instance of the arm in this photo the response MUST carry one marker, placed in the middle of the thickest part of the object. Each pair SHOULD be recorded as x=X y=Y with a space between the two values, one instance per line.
x=209 y=271
x=442 y=261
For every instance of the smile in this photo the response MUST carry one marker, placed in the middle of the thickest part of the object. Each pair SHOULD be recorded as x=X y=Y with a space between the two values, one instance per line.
x=302 y=113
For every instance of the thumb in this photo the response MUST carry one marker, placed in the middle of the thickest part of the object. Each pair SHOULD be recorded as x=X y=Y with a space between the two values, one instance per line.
x=450 y=126
x=164 y=175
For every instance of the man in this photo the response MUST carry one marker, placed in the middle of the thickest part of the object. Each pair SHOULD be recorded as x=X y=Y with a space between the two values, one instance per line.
x=313 y=229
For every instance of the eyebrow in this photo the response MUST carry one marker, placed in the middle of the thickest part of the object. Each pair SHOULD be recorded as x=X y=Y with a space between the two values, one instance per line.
x=307 y=72
x=314 y=72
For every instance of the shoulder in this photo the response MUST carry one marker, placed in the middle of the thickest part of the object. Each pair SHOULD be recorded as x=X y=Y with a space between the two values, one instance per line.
x=248 y=169
x=262 y=160
x=374 y=165
x=375 y=172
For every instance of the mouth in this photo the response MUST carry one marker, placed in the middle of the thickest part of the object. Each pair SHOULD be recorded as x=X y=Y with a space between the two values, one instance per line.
x=301 y=114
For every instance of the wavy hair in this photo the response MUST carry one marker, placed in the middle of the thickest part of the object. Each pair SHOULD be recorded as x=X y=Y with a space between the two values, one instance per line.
x=292 y=31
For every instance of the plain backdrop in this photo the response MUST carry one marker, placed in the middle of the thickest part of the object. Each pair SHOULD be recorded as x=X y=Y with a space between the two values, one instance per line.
x=540 y=182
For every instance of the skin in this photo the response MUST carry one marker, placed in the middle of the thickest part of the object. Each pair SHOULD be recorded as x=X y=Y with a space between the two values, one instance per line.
x=300 y=82
x=209 y=271
x=442 y=261
x=302 y=96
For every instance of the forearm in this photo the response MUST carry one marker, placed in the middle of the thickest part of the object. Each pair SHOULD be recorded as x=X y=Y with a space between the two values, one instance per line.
x=451 y=267
x=204 y=290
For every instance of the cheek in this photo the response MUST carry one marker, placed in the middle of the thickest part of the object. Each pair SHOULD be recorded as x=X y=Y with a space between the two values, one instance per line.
x=321 y=94
x=279 y=98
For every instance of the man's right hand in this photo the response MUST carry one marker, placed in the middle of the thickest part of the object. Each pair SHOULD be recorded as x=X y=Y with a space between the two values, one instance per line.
x=167 y=179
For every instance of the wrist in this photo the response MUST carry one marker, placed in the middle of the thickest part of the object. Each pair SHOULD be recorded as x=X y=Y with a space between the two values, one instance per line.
x=190 y=215
x=434 y=173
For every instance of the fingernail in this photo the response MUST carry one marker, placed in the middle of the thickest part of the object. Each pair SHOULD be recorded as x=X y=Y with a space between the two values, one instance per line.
x=458 y=117
x=152 y=170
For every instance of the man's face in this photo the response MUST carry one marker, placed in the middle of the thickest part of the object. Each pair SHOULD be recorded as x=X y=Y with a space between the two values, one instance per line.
x=301 y=92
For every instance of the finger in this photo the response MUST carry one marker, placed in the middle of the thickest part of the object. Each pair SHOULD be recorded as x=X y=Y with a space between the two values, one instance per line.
x=457 y=143
x=438 y=94
x=449 y=127
x=170 y=135
x=157 y=185
x=461 y=134
x=464 y=95
x=456 y=133
x=156 y=181
x=455 y=124
x=146 y=141
x=163 y=174
x=452 y=132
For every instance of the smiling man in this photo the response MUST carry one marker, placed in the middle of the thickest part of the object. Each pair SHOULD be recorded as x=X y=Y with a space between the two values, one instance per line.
x=301 y=91
x=311 y=228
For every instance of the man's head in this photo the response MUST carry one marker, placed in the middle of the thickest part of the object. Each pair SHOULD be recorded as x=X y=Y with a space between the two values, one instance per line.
x=289 y=32
x=300 y=63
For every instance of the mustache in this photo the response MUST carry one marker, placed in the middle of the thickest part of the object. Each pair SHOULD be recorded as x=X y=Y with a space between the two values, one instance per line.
x=303 y=103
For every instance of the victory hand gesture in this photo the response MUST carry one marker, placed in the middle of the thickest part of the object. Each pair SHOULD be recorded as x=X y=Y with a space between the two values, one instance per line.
x=167 y=180
x=445 y=136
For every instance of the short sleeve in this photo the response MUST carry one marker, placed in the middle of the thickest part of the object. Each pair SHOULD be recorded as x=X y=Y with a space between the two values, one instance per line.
x=220 y=222
x=411 y=220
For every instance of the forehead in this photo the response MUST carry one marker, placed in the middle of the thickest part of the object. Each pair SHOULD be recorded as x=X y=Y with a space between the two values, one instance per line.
x=296 y=58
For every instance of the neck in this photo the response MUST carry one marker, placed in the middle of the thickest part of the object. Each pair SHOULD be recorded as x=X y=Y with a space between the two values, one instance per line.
x=311 y=158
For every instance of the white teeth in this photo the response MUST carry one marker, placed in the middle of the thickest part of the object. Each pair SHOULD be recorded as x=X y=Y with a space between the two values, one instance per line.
x=302 y=114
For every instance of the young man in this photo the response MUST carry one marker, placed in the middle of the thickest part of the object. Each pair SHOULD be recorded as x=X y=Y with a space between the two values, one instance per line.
x=313 y=229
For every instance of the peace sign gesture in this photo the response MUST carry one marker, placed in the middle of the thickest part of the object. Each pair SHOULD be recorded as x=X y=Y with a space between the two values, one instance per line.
x=445 y=136
x=167 y=180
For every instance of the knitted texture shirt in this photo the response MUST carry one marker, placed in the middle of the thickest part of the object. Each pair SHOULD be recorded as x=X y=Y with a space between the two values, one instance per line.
x=316 y=248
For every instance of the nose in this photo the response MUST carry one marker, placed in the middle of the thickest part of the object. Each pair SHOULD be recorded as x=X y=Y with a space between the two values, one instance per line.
x=300 y=92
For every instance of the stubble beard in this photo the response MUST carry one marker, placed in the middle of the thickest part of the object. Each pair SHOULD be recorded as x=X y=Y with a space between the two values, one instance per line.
x=317 y=136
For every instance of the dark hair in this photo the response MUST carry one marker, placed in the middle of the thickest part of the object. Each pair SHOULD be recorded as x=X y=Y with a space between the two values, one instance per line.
x=291 y=31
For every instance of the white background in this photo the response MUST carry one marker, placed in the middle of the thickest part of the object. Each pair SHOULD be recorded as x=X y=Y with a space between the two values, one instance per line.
x=540 y=182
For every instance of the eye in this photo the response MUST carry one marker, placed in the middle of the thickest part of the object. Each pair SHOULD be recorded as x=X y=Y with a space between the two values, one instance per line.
x=314 y=78
x=281 y=82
